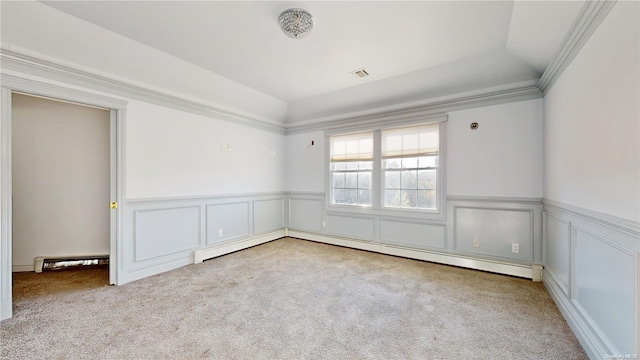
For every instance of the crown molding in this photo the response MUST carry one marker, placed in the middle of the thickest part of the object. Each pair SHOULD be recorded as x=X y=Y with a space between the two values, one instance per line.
x=39 y=88
x=590 y=17
x=433 y=109
x=52 y=71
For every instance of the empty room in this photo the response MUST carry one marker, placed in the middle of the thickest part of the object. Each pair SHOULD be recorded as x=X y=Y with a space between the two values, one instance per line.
x=320 y=179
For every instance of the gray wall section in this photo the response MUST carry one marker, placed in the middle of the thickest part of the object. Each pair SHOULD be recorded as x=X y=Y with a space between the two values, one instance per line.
x=497 y=222
x=162 y=234
x=159 y=234
x=268 y=215
x=227 y=222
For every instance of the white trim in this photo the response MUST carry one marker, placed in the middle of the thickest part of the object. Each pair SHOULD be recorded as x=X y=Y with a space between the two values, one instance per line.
x=6 y=281
x=391 y=121
x=528 y=201
x=628 y=226
x=223 y=249
x=588 y=338
x=513 y=269
x=59 y=92
x=6 y=309
x=65 y=94
x=590 y=17
x=31 y=65
x=24 y=268
x=377 y=207
x=165 y=199
x=399 y=115
x=637 y=299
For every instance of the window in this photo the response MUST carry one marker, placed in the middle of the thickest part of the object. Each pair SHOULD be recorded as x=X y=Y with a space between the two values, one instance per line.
x=409 y=164
x=351 y=168
x=387 y=169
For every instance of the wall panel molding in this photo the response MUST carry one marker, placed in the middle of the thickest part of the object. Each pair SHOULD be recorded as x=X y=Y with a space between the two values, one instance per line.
x=232 y=218
x=187 y=230
x=552 y=254
x=306 y=211
x=268 y=215
x=157 y=232
x=501 y=221
x=601 y=305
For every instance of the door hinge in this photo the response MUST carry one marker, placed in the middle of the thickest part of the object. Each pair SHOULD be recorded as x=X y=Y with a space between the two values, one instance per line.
x=114 y=205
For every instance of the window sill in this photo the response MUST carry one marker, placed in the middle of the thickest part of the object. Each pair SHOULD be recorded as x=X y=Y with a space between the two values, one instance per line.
x=415 y=214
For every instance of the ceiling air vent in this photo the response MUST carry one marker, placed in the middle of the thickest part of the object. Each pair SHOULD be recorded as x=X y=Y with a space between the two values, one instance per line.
x=360 y=73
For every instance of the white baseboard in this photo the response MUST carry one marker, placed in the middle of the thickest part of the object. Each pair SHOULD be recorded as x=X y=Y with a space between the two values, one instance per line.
x=223 y=249
x=519 y=270
x=594 y=344
x=22 y=268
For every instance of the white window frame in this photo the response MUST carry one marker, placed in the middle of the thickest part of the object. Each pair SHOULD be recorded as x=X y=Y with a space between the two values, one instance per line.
x=377 y=207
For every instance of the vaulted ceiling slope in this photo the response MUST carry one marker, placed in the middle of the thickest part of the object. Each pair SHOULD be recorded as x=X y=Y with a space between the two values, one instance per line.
x=413 y=50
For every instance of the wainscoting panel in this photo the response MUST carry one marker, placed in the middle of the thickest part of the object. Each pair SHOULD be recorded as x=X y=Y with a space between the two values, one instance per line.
x=351 y=226
x=412 y=234
x=268 y=215
x=602 y=261
x=605 y=282
x=161 y=232
x=306 y=213
x=495 y=231
x=557 y=246
x=227 y=221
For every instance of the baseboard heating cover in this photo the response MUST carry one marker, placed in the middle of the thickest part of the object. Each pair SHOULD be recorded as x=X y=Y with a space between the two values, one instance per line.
x=533 y=272
x=46 y=263
x=227 y=248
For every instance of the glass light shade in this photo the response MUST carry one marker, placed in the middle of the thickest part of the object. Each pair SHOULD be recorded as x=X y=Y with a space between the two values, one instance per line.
x=296 y=23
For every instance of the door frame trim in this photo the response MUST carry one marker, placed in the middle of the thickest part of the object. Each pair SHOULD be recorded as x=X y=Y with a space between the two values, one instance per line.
x=117 y=107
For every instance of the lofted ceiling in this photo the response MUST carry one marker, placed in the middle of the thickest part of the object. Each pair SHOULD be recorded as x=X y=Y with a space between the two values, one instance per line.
x=413 y=49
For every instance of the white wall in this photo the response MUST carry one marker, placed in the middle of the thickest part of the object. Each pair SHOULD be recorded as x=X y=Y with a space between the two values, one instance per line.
x=592 y=131
x=173 y=153
x=60 y=180
x=592 y=182
x=306 y=164
x=503 y=157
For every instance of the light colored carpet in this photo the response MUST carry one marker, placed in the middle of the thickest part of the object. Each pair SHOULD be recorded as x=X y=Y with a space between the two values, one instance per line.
x=288 y=299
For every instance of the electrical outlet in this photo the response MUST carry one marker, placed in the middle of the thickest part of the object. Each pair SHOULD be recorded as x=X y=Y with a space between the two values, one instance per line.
x=476 y=242
x=515 y=248
x=220 y=233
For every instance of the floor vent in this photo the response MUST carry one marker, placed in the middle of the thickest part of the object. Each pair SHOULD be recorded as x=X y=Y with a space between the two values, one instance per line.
x=43 y=263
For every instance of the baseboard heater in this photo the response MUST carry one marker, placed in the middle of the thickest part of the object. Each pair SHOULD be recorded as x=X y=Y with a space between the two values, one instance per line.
x=43 y=263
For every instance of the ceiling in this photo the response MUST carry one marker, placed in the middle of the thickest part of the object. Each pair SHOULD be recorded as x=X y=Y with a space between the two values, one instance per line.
x=395 y=41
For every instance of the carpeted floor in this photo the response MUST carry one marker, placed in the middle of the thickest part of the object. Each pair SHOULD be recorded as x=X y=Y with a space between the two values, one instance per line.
x=287 y=299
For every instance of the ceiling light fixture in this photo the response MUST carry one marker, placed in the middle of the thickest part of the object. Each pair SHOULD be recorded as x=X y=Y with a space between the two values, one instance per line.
x=296 y=23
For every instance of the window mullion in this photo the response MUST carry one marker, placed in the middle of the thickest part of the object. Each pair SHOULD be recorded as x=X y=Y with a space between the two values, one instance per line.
x=377 y=188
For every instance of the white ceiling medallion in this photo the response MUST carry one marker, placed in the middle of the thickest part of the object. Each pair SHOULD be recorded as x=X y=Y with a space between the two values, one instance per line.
x=296 y=23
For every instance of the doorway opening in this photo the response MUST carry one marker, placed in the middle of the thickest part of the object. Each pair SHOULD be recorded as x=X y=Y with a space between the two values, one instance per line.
x=61 y=183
